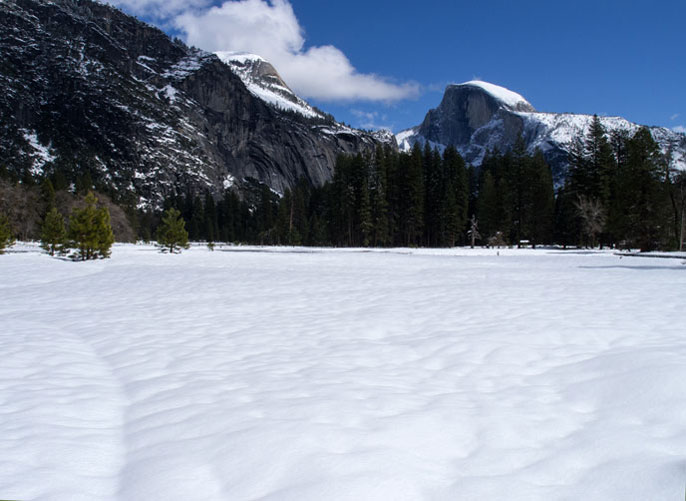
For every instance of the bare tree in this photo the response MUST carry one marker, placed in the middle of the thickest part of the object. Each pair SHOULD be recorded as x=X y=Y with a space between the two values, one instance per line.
x=593 y=217
x=473 y=230
x=23 y=208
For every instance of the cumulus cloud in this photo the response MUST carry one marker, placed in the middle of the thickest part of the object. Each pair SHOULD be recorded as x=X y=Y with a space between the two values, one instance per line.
x=679 y=128
x=271 y=30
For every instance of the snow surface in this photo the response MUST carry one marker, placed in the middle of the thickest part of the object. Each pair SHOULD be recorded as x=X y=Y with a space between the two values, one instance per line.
x=305 y=374
x=506 y=96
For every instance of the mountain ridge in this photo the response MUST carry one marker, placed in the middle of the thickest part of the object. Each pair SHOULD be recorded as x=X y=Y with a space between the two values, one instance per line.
x=475 y=118
x=90 y=89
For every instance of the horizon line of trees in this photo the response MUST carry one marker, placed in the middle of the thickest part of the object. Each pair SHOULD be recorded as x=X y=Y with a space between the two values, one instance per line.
x=619 y=192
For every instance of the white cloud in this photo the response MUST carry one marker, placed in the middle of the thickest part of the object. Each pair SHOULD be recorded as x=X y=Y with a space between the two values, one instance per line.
x=674 y=117
x=271 y=30
x=679 y=128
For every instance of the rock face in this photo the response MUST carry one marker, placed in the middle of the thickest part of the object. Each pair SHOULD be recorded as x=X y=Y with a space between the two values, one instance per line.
x=476 y=117
x=264 y=82
x=87 y=88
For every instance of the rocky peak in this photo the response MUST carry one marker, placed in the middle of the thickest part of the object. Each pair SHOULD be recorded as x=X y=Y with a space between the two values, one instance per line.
x=466 y=108
x=477 y=117
x=87 y=89
x=264 y=82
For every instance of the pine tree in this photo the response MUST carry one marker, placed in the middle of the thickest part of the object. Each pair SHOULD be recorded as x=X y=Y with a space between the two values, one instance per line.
x=48 y=194
x=601 y=162
x=542 y=198
x=487 y=205
x=54 y=234
x=642 y=199
x=433 y=194
x=567 y=223
x=90 y=230
x=379 y=198
x=454 y=199
x=519 y=181
x=6 y=238
x=211 y=222
x=414 y=198
x=172 y=234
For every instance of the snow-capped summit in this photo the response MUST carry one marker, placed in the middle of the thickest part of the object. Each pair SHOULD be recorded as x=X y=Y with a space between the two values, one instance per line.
x=509 y=98
x=264 y=82
x=477 y=117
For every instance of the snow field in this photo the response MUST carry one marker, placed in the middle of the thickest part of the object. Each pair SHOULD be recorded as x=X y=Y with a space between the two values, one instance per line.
x=299 y=374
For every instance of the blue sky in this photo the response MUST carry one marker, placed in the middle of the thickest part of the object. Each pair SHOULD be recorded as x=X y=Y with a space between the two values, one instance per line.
x=385 y=64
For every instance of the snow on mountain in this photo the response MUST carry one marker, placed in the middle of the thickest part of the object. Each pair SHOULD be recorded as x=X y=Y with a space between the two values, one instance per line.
x=549 y=130
x=264 y=82
x=404 y=138
x=85 y=86
x=506 y=96
x=39 y=154
x=477 y=117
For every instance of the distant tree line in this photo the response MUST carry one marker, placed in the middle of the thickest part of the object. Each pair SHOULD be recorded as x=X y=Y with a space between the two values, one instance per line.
x=619 y=192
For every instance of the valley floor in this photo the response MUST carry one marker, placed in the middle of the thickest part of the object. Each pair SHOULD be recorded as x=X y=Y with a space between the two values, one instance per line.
x=300 y=374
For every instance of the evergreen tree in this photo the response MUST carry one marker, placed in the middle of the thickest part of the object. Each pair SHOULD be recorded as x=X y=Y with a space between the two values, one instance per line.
x=454 y=199
x=641 y=198
x=211 y=220
x=379 y=199
x=196 y=218
x=601 y=162
x=542 y=197
x=591 y=173
x=90 y=230
x=54 y=234
x=519 y=179
x=6 y=238
x=494 y=203
x=48 y=194
x=567 y=223
x=365 y=213
x=433 y=194
x=413 y=215
x=172 y=234
x=487 y=207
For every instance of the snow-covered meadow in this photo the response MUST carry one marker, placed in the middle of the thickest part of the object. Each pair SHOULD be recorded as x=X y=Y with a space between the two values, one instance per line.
x=323 y=375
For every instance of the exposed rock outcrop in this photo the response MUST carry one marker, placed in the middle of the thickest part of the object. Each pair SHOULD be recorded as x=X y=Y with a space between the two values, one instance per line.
x=87 y=88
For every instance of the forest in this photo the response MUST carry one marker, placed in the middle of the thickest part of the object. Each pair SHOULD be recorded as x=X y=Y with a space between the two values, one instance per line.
x=619 y=192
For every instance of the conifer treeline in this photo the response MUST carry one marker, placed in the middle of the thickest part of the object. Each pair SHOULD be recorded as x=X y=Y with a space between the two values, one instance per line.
x=619 y=192
x=421 y=198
